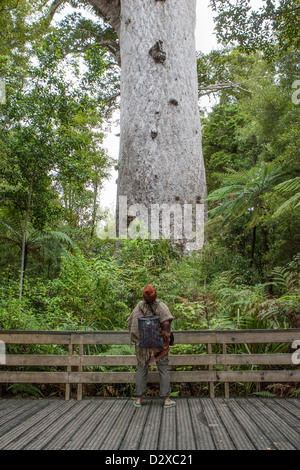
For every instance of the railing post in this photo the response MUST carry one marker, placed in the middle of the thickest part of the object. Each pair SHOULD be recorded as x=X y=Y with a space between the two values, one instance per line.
x=69 y=369
x=211 y=367
x=79 y=385
x=226 y=384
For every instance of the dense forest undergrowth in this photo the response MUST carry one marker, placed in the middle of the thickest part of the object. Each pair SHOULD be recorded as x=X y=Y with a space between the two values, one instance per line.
x=205 y=290
x=61 y=88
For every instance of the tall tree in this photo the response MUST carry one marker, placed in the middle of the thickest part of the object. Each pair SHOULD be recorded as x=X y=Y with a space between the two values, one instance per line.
x=160 y=146
x=160 y=158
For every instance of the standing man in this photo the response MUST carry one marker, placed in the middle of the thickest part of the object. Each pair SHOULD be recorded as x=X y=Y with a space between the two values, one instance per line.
x=148 y=307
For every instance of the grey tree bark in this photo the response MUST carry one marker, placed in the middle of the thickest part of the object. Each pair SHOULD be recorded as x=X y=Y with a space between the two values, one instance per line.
x=160 y=159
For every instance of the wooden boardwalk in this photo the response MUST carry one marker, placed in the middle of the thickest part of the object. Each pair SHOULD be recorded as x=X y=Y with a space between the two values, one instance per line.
x=115 y=424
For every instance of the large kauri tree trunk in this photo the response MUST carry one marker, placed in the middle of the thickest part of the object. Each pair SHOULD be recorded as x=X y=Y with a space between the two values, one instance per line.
x=160 y=158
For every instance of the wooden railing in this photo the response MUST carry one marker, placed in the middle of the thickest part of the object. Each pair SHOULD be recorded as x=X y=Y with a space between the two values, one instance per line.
x=74 y=361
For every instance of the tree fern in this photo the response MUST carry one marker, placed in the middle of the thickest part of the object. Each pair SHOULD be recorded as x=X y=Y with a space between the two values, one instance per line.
x=241 y=191
x=290 y=188
x=284 y=280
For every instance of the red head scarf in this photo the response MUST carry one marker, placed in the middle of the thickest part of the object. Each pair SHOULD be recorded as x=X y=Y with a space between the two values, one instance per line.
x=149 y=294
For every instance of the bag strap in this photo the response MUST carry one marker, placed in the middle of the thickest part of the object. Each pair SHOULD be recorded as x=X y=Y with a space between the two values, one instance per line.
x=153 y=313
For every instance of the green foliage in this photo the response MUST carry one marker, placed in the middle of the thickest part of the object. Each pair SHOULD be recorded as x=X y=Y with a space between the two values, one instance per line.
x=291 y=188
x=25 y=391
x=51 y=163
x=18 y=28
x=273 y=27
x=251 y=149
x=63 y=85
x=264 y=393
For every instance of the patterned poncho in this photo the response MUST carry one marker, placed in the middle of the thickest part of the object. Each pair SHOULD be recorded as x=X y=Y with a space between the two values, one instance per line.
x=144 y=310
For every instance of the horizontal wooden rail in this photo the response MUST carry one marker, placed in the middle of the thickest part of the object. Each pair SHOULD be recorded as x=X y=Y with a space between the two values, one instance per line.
x=19 y=360
x=129 y=377
x=122 y=337
x=75 y=361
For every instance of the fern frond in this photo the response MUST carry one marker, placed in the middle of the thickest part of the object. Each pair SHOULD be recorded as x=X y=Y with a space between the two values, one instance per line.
x=291 y=204
x=10 y=228
x=289 y=186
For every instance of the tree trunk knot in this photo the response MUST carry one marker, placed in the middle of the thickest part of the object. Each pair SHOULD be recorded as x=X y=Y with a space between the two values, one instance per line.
x=157 y=52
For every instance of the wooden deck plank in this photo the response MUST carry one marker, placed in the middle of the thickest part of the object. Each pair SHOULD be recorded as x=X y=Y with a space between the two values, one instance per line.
x=18 y=414
x=167 y=436
x=279 y=441
x=4 y=404
x=11 y=409
x=184 y=429
x=291 y=406
x=56 y=428
x=202 y=434
x=277 y=421
x=107 y=426
x=286 y=410
x=133 y=435
x=256 y=435
x=114 y=437
x=221 y=438
x=115 y=424
x=72 y=428
x=150 y=436
x=45 y=421
x=83 y=433
x=234 y=429
x=21 y=430
x=294 y=401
